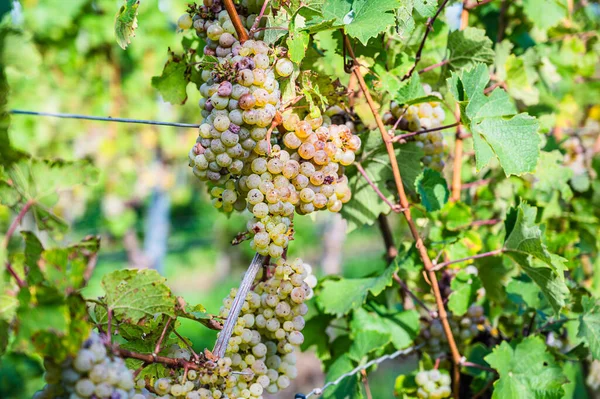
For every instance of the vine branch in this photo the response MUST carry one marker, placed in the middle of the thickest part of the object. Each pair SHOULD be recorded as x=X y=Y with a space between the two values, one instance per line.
x=404 y=136
x=478 y=256
x=235 y=19
x=428 y=28
x=456 y=357
x=149 y=359
x=15 y=223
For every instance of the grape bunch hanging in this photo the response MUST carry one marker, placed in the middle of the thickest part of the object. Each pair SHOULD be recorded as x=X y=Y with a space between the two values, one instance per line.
x=254 y=154
x=260 y=356
x=93 y=373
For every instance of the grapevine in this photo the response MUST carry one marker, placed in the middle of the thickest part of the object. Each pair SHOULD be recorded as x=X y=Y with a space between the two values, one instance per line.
x=136 y=183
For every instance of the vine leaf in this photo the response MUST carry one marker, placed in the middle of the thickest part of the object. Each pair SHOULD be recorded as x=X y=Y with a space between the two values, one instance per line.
x=551 y=175
x=554 y=11
x=523 y=244
x=468 y=47
x=589 y=325
x=63 y=269
x=135 y=294
x=349 y=386
x=526 y=370
x=362 y=19
x=498 y=131
x=365 y=205
x=457 y=216
x=297 y=40
x=173 y=81
x=464 y=292
x=126 y=22
x=339 y=297
x=374 y=330
x=39 y=182
x=433 y=189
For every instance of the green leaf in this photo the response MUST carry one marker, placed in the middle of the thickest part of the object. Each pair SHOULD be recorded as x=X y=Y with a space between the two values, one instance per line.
x=126 y=22
x=362 y=19
x=197 y=313
x=348 y=388
x=297 y=40
x=498 y=131
x=521 y=77
x=545 y=13
x=37 y=183
x=468 y=47
x=589 y=325
x=339 y=297
x=281 y=20
x=8 y=307
x=524 y=291
x=365 y=339
x=433 y=189
x=135 y=294
x=65 y=268
x=550 y=174
x=526 y=371
x=523 y=243
x=426 y=8
x=172 y=83
x=464 y=292
x=405 y=23
x=456 y=216
x=365 y=205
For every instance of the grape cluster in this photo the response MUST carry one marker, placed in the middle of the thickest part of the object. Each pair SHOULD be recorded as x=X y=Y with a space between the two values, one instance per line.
x=433 y=384
x=260 y=355
x=465 y=327
x=92 y=373
x=297 y=170
x=418 y=117
x=269 y=330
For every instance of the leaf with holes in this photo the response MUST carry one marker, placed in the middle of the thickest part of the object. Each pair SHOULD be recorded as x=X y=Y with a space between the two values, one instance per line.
x=135 y=294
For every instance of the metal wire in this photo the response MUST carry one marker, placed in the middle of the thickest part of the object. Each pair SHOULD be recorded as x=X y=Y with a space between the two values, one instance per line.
x=102 y=118
x=357 y=369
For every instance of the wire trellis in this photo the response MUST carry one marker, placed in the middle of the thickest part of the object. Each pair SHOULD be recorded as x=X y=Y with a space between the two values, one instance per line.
x=358 y=369
x=103 y=118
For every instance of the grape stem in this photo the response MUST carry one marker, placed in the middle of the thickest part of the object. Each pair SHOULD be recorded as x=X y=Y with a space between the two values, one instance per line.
x=411 y=134
x=15 y=223
x=402 y=284
x=148 y=358
x=394 y=207
x=420 y=245
x=259 y=17
x=365 y=382
x=388 y=238
x=432 y=67
x=225 y=334
x=235 y=19
x=157 y=348
x=428 y=28
x=478 y=256
x=11 y=230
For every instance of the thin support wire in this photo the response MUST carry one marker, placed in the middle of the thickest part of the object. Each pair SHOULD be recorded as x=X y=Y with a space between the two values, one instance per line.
x=358 y=369
x=102 y=118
